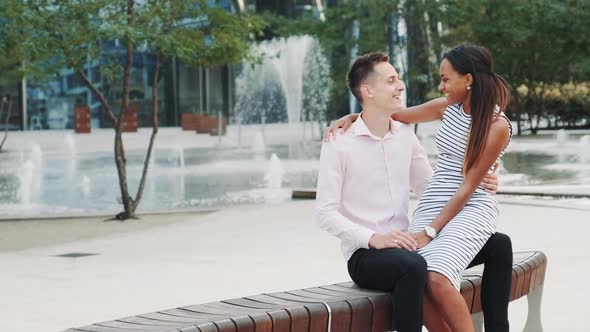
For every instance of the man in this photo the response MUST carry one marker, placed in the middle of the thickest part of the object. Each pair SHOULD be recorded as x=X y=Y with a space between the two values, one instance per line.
x=362 y=198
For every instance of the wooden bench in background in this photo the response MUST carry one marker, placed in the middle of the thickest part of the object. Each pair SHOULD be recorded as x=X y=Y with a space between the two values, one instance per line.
x=340 y=307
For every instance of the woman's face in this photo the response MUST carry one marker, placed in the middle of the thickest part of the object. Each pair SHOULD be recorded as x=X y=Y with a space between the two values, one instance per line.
x=452 y=84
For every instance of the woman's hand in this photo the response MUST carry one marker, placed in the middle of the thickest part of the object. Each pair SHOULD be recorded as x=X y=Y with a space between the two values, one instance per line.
x=344 y=122
x=421 y=238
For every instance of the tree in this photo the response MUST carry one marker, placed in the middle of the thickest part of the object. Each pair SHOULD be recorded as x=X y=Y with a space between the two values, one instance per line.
x=11 y=58
x=377 y=21
x=535 y=43
x=69 y=34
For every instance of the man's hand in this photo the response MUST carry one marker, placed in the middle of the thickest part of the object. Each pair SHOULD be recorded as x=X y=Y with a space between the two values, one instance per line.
x=421 y=238
x=490 y=181
x=344 y=122
x=395 y=239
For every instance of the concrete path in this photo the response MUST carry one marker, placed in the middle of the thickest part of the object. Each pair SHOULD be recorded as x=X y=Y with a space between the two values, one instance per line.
x=237 y=252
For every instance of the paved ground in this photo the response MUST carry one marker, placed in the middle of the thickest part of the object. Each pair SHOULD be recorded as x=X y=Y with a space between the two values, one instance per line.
x=167 y=261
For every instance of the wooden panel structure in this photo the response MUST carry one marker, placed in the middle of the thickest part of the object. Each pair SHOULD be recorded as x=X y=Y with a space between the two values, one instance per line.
x=130 y=119
x=82 y=120
x=189 y=121
x=340 y=307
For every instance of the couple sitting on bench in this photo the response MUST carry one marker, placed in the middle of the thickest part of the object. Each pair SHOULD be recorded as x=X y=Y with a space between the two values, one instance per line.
x=368 y=167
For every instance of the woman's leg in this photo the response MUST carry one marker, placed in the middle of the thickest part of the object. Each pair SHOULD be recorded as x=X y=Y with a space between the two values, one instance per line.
x=496 y=254
x=433 y=319
x=449 y=302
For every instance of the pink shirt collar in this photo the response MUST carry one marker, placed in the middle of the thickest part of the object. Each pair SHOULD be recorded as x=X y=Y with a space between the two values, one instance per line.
x=359 y=128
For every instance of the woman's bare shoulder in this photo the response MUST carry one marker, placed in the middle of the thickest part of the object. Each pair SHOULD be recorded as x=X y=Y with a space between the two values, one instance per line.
x=499 y=129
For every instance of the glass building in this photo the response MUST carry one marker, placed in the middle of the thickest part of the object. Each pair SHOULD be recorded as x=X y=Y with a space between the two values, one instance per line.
x=50 y=105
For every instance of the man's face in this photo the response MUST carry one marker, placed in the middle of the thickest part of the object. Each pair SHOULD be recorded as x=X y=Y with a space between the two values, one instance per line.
x=384 y=87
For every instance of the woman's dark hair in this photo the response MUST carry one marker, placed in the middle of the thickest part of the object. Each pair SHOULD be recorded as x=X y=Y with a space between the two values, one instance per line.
x=488 y=91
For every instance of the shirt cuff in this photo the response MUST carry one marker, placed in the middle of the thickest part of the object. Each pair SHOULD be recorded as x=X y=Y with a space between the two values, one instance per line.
x=362 y=237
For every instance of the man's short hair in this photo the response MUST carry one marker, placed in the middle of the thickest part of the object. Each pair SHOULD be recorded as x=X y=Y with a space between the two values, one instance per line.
x=361 y=69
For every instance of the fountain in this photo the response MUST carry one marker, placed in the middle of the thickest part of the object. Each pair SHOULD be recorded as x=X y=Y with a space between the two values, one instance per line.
x=258 y=146
x=70 y=143
x=71 y=161
x=179 y=152
x=273 y=180
x=584 y=149
x=37 y=176
x=561 y=137
x=25 y=178
x=293 y=77
x=181 y=168
x=273 y=177
x=85 y=186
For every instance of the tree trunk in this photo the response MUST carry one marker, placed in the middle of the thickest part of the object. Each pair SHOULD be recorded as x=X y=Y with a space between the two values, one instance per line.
x=8 y=109
x=418 y=50
x=129 y=205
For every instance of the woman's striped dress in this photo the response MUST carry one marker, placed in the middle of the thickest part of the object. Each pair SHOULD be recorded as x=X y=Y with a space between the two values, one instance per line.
x=463 y=237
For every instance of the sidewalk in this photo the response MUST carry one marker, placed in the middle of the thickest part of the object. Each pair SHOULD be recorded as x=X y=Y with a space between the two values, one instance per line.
x=244 y=251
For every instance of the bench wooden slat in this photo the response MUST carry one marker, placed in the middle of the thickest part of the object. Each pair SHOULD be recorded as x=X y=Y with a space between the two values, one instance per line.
x=189 y=329
x=281 y=303
x=138 y=320
x=327 y=292
x=352 y=290
x=362 y=314
x=318 y=314
x=207 y=327
x=171 y=318
x=192 y=314
x=298 y=298
x=382 y=314
x=314 y=296
x=99 y=328
x=243 y=324
x=262 y=322
x=299 y=319
x=203 y=309
x=246 y=303
x=116 y=324
x=281 y=322
x=225 y=325
x=526 y=285
x=537 y=276
x=232 y=310
x=350 y=307
x=341 y=316
x=520 y=281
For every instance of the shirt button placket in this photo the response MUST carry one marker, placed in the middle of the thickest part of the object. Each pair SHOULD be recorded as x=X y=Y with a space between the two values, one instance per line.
x=389 y=176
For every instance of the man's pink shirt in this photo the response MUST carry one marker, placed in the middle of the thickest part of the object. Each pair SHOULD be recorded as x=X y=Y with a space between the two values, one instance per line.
x=364 y=183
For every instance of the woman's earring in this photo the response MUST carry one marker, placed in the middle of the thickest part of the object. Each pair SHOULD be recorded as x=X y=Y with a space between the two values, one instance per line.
x=468 y=87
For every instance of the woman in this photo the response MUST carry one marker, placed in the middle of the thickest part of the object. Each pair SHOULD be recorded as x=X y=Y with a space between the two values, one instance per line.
x=455 y=216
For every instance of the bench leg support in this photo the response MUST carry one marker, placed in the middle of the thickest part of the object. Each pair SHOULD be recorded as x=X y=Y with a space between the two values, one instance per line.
x=477 y=321
x=533 y=321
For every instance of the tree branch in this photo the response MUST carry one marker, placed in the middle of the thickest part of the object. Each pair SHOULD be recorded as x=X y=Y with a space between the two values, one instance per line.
x=106 y=108
x=154 y=127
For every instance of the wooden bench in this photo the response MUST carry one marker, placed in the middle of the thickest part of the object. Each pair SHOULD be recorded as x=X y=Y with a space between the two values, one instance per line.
x=339 y=307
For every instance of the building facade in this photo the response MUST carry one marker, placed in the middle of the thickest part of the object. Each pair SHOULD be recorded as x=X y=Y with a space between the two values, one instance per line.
x=50 y=105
